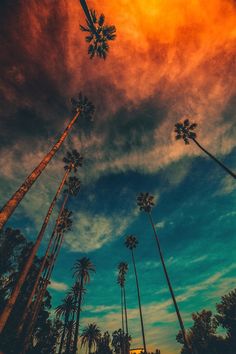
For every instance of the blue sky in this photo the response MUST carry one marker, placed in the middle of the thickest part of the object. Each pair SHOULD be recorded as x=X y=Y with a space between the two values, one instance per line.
x=170 y=61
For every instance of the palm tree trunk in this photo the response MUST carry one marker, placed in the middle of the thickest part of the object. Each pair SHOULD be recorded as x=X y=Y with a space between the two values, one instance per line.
x=12 y=203
x=41 y=294
x=215 y=159
x=68 y=340
x=170 y=286
x=126 y=322
x=11 y=301
x=139 y=303
x=78 y=318
x=42 y=266
x=88 y=15
x=62 y=338
x=122 y=318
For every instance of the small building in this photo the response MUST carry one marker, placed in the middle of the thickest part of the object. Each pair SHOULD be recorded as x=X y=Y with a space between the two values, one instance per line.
x=136 y=351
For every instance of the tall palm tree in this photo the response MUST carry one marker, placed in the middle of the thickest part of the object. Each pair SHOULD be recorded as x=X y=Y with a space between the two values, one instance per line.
x=81 y=107
x=63 y=226
x=123 y=269
x=64 y=310
x=73 y=187
x=82 y=269
x=72 y=161
x=98 y=33
x=90 y=336
x=186 y=130
x=131 y=243
x=145 y=202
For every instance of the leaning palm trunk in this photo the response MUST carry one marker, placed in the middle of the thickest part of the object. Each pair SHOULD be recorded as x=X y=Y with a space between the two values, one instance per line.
x=76 y=336
x=139 y=303
x=215 y=159
x=12 y=203
x=88 y=16
x=185 y=338
x=26 y=311
x=39 y=300
x=11 y=301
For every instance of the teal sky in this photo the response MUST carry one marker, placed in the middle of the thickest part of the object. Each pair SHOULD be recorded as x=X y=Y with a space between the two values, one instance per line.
x=170 y=61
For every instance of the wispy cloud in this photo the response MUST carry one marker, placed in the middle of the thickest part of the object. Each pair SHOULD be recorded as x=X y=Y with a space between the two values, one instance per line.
x=58 y=286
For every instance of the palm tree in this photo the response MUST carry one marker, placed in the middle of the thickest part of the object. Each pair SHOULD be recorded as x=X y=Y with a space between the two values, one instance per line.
x=70 y=331
x=63 y=226
x=82 y=268
x=145 y=202
x=131 y=243
x=81 y=107
x=98 y=33
x=64 y=310
x=123 y=269
x=73 y=187
x=185 y=130
x=90 y=336
x=72 y=161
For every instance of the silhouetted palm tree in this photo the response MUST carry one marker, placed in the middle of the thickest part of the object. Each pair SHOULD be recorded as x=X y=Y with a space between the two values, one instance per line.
x=98 y=33
x=186 y=130
x=64 y=310
x=63 y=226
x=131 y=243
x=82 y=269
x=145 y=202
x=81 y=107
x=72 y=190
x=90 y=336
x=73 y=160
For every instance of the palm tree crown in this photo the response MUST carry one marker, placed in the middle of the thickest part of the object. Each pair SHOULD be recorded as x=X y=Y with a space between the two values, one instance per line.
x=98 y=35
x=65 y=222
x=72 y=160
x=73 y=186
x=65 y=308
x=145 y=202
x=90 y=335
x=185 y=130
x=83 y=105
x=82 y=267
x=131 y=242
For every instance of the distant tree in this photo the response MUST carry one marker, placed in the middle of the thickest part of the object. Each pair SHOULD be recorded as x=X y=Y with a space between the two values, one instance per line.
x=186 y=130
x=145 y=202
x=98 y=33
x=103 y=344
x=118 y=339
x=131 y=243
x=226 y=318
x=90 y=336
x=82 y=269
x=81 y=107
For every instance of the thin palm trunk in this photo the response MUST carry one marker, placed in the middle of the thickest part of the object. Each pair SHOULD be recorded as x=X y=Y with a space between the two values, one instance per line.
x=42 y=266
x=126 y=315
x=12 y=203
x=39 y=300
x=139 y=303
x=62 y=337
x=122 y=318
x=11 y=301
x=78 y=318
x=88 y=15
x=68 y=341
x=215 y=159
x=169 y=285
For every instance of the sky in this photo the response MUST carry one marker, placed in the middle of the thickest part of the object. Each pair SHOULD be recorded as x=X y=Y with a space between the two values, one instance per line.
x=171 y=60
